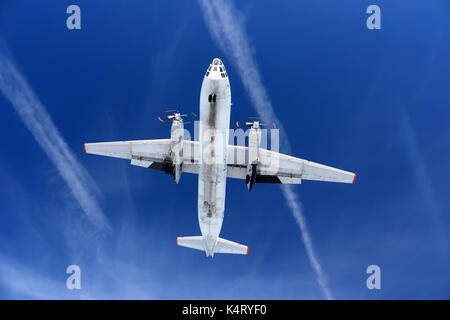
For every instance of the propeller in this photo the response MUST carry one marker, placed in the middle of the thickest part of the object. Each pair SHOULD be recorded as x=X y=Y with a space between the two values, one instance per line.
x=251 y=123
x=174 y=114
x=246 y=124
x=254 y=120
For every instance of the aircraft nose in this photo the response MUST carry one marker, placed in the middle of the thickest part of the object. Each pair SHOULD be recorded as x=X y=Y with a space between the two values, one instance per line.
x=216 y=62
x=216 y=70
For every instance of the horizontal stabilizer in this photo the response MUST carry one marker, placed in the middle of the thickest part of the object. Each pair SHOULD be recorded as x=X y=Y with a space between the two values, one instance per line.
x=218 y=246
x=192 y=242
x=227 y=246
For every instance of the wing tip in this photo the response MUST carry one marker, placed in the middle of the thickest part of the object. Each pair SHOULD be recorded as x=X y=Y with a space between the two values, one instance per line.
x=177 y=240
x=85 y=148
x=354 y=177
x=248 y=248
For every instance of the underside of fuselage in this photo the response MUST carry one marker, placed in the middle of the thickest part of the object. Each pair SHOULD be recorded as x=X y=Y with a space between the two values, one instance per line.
x=215 y=106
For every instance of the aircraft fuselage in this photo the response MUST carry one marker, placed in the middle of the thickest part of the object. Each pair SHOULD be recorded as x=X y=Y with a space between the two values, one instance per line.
x=215 y=109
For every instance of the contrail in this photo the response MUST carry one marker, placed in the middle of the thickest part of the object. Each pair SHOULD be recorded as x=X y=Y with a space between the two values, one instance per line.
x=34 y=115
x=296 y=207
x=222 y=20
x=423 y=178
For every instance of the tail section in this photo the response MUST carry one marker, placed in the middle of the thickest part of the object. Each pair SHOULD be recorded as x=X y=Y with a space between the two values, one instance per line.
x=218 y=246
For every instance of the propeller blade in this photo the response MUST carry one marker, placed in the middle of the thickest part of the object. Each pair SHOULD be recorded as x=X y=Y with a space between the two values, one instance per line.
x=195 y=115
x=160 y=119
x=237 y=124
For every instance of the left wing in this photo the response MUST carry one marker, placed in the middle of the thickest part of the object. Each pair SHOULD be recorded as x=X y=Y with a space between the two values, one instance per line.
x=274 y=167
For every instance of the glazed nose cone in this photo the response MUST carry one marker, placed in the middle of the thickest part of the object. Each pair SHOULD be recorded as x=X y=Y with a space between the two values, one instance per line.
x=216 y=70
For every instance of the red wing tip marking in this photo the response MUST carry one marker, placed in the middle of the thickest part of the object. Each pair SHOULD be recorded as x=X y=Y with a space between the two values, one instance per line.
x=85 y=148
x=354 y=177
x=177 y=240
x=248 y=248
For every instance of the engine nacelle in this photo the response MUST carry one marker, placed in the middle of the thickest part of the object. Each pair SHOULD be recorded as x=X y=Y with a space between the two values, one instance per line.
x=176 y=146
x=254 y=139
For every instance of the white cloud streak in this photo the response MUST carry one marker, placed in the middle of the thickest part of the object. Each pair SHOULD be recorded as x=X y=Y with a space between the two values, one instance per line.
x=422 y=175
x=296 y=208
x=225 y=27
x=25 y=283
x=34 y=115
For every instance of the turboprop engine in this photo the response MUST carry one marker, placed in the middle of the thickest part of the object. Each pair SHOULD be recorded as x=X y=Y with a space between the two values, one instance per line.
x=176 y=142
x=176 y=145
x=254 y=139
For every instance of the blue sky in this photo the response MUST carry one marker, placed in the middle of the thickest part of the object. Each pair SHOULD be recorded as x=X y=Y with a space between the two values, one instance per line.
x=372 y=102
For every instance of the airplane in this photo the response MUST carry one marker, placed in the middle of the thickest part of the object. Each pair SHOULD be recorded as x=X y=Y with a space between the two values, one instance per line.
x=215 y=160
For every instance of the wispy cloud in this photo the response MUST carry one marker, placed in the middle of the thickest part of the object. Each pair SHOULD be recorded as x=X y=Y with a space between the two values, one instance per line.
x=422 y=175
x=34 y=115
x=226 y=28
x=25 y=283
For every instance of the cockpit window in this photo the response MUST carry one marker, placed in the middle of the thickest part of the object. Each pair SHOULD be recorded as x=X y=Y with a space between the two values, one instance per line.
x=220 y=68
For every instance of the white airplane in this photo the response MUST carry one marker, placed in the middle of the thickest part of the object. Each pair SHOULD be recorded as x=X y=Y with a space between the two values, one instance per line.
x=214 y=160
